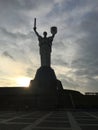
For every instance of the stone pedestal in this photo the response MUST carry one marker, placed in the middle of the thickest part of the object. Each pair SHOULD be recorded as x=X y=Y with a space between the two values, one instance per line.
x=45 y=87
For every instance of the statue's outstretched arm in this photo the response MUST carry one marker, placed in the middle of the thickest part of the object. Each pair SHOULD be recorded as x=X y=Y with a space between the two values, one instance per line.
x=36 y=32
x=53 y=35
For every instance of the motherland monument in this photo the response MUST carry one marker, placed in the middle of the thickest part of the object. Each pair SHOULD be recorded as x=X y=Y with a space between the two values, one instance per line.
x=45 y=86
x=45 y=44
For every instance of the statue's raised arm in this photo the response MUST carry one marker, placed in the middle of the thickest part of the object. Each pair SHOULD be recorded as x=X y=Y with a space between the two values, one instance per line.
x=35 y=28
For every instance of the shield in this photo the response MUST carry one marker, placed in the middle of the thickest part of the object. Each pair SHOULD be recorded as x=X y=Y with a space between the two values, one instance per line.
x=53 y=30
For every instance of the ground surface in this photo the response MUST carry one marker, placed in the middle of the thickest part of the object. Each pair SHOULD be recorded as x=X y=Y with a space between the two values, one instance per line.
x=49 y=120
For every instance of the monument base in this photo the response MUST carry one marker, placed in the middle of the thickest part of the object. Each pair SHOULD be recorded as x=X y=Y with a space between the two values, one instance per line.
x=46 y=88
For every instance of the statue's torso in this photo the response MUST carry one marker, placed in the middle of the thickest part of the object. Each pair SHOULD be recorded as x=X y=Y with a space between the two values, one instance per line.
x=45 y=44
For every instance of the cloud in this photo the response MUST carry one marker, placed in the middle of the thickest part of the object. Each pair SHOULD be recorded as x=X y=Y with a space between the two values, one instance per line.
x=59 y=61
x=85 y=33
x=19 y=45
x=18 y=15
x=88 y=44
x=6 y=54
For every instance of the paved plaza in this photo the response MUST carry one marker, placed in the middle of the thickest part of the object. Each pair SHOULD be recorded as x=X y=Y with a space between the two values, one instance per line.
x=49 y=120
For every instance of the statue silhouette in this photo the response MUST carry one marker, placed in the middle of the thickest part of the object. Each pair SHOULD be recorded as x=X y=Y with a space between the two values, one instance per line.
x=45 y=44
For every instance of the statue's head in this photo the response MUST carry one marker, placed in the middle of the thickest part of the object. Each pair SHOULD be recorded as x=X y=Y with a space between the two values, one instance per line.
x=45 y=34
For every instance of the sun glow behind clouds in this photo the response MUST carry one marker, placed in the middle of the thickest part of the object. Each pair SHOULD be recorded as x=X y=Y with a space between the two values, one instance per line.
x=23 y=81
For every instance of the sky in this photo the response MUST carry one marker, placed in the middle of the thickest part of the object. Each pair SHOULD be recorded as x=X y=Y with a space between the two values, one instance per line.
x=74 y=54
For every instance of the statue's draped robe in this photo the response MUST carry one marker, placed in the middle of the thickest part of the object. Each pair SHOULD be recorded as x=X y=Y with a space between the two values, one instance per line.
x=45 y=44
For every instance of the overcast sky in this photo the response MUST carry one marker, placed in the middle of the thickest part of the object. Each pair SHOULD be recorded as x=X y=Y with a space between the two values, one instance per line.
x=75 y=47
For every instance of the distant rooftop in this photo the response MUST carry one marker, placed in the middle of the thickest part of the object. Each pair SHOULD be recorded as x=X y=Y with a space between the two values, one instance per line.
x=91 y=93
